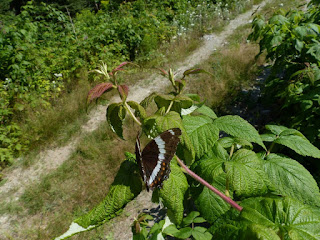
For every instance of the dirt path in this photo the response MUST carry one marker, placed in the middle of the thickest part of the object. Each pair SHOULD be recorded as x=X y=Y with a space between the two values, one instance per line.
x=19 y=178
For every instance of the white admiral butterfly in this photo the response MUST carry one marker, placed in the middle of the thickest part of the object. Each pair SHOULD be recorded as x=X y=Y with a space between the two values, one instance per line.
x=154 y=160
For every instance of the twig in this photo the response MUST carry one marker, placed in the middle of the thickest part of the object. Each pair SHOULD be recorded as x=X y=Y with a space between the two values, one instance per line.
x=203 y=182
x=73 y=28
x=169 y=108
x=131 y=113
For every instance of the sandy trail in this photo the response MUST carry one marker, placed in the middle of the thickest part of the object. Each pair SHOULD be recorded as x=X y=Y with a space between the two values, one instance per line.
x=19 y=178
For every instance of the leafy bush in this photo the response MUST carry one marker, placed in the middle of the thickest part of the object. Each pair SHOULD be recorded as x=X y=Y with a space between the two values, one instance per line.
x=291 y=40
x=278 y=196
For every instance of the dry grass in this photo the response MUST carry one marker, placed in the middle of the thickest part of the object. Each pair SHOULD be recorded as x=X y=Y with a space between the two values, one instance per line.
x=59 y=122
x=232 y=69
x=75 y=187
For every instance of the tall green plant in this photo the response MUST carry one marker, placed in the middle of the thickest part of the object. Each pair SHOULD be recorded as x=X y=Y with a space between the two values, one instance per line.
x=277 y=195
x=291 y=41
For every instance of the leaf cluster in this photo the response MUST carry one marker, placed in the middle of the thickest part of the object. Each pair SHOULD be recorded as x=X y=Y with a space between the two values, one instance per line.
x=190 y=227
x=291 y=41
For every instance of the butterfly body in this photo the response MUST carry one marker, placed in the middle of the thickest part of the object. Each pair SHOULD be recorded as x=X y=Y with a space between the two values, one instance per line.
x=154 y=160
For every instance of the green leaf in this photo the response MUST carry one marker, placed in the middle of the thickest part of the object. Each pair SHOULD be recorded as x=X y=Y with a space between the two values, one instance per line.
x=299 y=144
x=276 y=40
x=179 y=102
x=200 y=233
x=219 y=152
x=299 y=45
x=18 y=147
x=300 y=31
x=315 y=50
x=292 y=132
x=170 y=120
x=142 y=235
x=115 y=116
x=200 y=229
x=172 y=193
x=245 y=174
x=156 y=124
x=210 y=168
x=291 y=179
x=194 y=97
x=189 y=219
x=287 y=218
x=140 y=111
x=182 y=102
x=157 y=236
x=268 y=137
x=226 y=228
x=171 y=230
x=157 y=227
x=227 y=142
x=202 y=132
x=184 y=233
x=206 y=111
x=210 y=204
x=238 y=127
x=126 y=186
x=256 y=231
x=163 y=100
x=146 y=102
x=278 y=19
x=275 y=129
x=314 y=27
x=306 y=104
x=199 y=220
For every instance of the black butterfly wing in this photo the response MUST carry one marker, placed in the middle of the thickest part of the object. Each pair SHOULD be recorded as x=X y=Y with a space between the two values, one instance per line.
x=156 y=157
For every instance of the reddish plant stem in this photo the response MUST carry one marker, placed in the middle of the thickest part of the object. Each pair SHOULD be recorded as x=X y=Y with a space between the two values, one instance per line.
x=203 y=182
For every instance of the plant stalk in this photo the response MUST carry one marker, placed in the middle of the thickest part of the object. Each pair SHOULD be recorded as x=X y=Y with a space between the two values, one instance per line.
x=231 y=151
x=73 y=28
x=169 y=108
x=227 y=188
x=203 y=182
x=131 y=113
x=270 y=148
